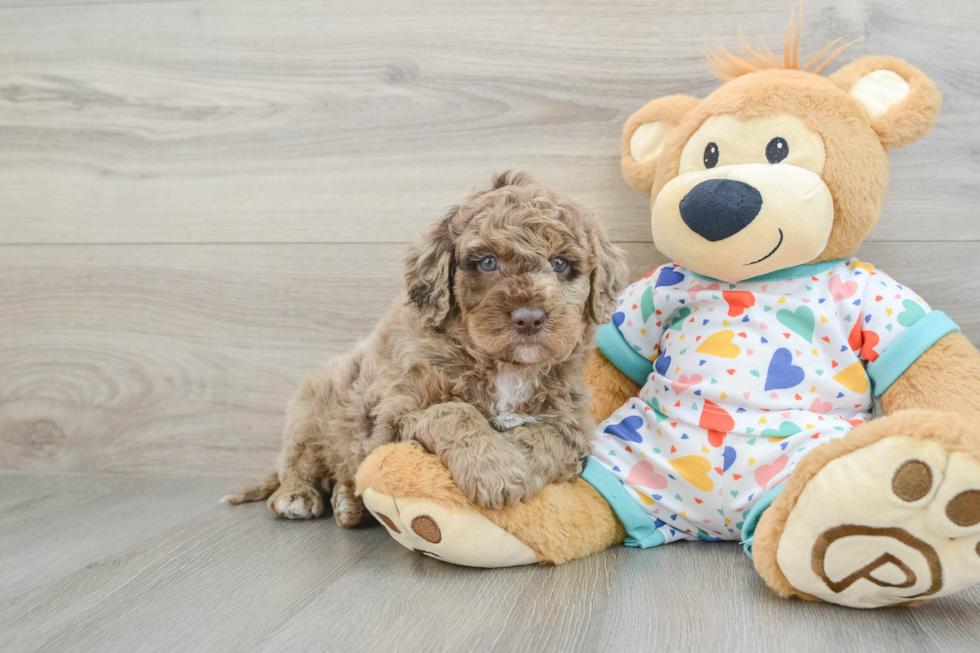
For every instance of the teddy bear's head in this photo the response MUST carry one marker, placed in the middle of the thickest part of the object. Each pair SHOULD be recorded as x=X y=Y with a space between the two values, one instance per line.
x=779 y=166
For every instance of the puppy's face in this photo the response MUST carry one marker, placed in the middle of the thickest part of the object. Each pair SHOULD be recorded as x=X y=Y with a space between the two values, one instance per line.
x=523 y=270
x=522 y=285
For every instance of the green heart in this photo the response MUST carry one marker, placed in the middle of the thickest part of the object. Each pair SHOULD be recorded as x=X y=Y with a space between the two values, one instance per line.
x=912 y=313
x=799 y=321
x=735 y=493
x=646 y=303
x=755 y=373
x=739 y=525
x=655 y=405
x=785 y=430
x=752 y=441
x=677 y=322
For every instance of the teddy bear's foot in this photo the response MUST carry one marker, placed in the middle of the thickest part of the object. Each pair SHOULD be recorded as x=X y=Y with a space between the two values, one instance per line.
x=463 y=537
x=888 y=515
x=412 y=493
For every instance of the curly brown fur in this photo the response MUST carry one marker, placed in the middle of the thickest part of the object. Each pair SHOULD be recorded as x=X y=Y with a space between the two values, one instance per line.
x=505 y=410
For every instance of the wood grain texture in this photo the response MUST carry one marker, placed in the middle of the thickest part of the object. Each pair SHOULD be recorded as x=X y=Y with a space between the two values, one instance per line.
x=124 y=564
x=332 y=121
x=173 y=361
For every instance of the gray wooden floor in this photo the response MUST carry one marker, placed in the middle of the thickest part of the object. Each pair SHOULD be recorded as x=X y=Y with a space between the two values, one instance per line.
x=117 y=563
x=199 y=200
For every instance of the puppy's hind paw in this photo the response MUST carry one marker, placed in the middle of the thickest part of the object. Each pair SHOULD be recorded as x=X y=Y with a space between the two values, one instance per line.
x=296 y=501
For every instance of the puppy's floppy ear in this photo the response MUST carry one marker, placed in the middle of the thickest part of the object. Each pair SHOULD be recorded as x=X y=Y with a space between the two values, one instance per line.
x=429 y=269
x=609 y=276
x=644 y=135
x=901 y=102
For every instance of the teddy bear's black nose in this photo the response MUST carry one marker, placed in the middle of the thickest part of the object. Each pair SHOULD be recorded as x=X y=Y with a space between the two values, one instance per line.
x=718 y=208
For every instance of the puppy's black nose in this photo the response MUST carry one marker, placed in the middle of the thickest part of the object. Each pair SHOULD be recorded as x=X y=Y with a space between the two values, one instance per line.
x=528 y=321
x=718 y=208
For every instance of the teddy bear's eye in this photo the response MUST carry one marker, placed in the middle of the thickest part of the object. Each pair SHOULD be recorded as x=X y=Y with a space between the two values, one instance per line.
x=711 y=155
x=777 y=150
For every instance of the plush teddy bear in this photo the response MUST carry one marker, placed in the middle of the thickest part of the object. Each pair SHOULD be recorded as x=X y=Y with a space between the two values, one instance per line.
x=735 y=386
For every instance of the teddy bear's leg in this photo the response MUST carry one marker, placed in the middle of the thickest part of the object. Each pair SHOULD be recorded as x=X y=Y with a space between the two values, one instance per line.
x=413 y=495
x=889 y=514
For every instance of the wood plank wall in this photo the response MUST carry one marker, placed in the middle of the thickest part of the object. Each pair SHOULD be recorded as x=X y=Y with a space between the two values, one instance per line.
x=200 y=200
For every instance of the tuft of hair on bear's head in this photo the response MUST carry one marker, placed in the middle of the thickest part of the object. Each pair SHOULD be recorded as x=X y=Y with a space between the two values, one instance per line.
x=727 y=66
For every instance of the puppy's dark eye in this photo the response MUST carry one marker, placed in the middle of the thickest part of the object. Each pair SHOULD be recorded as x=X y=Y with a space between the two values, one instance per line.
x=777 y=150
x=488 y=264
x=711 y=155
x=559 y=264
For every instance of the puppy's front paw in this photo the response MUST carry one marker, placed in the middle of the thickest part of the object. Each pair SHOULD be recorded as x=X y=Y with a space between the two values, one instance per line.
x=296 y=500
x=493 y=479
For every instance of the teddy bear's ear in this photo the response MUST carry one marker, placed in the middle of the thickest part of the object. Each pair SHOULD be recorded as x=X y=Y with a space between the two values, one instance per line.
x=644 y=136
x=901 y=102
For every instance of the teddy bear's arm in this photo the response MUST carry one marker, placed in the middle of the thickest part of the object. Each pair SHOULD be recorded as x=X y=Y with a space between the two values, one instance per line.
x=610 y=387
x=946 y=377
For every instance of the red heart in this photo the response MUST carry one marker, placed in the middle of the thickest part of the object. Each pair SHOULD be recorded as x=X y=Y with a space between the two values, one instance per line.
x=697 y=500
x=628 y=449
x=870 y=341
x=673 y=450
x=825 y=338
x=730 y=371
x=738 y=301
x=833 y=363
x=737 y=476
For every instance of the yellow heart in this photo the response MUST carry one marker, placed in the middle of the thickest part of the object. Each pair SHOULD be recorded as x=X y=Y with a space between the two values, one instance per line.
x=724 y=395
x=727 y=520
x=682 y=337
x=813 y=388
x=888 y=311
x=751 y=461
x=683 y=514
x=763 y=420
x=704 y=449
x=781 y=300
x=815 y=353
x=647 y=501
x=694 y=470
x=720 y=344
x=643 y=332
x=867 y=267
x=726 y=322
x=809 y=426
x=823 y=319
x=853 y=378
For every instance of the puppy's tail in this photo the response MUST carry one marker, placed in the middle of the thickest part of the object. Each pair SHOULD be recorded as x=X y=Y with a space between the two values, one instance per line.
x=258 y=492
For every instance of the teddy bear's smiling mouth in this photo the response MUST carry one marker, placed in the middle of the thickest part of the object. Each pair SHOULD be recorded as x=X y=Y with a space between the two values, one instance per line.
x=773 y=250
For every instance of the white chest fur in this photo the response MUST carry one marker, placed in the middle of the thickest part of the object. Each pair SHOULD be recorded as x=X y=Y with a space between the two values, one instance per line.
x=512 y=389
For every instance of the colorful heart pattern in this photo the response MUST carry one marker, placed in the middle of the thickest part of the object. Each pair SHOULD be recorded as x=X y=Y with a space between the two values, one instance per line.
x=750 y=377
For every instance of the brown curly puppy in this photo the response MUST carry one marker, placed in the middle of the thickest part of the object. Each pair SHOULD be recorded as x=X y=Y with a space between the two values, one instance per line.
x=481 y=361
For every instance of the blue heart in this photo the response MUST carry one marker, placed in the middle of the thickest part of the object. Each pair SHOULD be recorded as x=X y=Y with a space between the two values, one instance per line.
x=662 y=365
x=657 y=523
x=656 y=497
x=729 y=457
x=627 y=429
x=821 y=301
x=782 y=373
x=618 y=318
x=669 y=277
x=616 y=468
x=764 y=341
